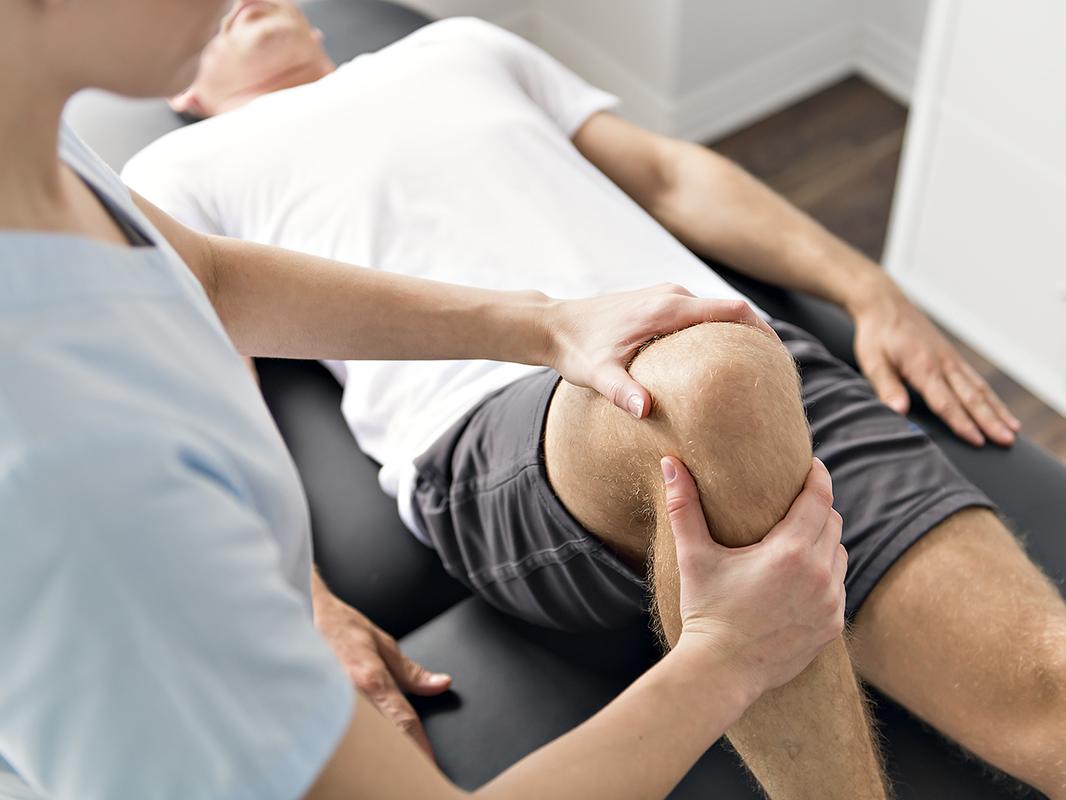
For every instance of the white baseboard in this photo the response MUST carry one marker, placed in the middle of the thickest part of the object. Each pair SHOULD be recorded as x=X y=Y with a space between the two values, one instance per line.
x=732 y=101
x=887 y=62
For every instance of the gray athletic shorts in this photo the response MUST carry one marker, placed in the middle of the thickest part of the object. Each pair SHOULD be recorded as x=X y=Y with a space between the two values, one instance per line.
x=483 y=498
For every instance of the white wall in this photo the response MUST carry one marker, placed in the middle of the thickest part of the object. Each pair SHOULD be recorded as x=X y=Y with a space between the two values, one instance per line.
x=515 y=15
x=976 y=233
x=890 y=39
x=700 y=68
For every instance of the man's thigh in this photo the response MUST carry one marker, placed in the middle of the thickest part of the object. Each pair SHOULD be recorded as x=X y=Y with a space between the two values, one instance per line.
x=483 y=498
x=891 y=483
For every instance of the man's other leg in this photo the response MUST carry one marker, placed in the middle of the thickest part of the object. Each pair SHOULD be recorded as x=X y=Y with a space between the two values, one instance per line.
x=726 y=401
x=967 y=633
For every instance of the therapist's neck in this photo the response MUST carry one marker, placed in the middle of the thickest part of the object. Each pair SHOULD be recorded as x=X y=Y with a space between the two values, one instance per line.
x=31 y=180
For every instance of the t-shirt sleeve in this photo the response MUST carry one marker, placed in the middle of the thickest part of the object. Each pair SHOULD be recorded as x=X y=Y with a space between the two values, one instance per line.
x=152 y=645
x=161 y=177
x=563 y=95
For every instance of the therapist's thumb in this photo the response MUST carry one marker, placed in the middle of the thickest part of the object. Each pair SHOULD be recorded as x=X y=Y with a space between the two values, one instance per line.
x=618 y=386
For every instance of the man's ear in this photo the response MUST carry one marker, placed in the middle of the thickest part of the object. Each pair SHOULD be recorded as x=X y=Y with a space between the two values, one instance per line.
x=188 y=102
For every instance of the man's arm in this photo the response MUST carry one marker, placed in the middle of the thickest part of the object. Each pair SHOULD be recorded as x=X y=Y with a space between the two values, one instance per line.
x=721 y=212
x=374 y=661
x=280 y=303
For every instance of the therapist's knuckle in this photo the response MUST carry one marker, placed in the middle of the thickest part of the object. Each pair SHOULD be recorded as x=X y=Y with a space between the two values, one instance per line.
x=736 y=309
x=675 y=288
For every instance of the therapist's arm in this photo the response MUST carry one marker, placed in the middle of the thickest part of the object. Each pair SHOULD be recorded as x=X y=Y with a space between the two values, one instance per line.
x=721 y=212
x=280 y=303
x=752 y=619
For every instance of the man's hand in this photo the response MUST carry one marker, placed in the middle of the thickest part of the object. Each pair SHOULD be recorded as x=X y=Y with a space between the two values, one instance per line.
x=591 y=342
x=895 y=342
x=374 y=661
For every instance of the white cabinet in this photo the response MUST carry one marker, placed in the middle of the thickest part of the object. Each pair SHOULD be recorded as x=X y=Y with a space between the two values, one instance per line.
x=978 y=233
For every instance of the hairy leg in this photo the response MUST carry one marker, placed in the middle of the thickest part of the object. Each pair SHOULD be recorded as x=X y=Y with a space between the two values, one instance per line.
x=726 y=401
x=967 y=633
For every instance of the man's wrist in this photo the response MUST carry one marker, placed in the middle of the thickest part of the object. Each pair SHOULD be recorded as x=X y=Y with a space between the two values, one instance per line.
x=867 y=288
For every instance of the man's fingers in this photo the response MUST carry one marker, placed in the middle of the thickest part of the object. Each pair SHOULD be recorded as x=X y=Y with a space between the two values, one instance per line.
x=974 y=397
x=945 y=403
x=404 y=717
x=691 y=535
x=376 y=682
x=410 y=676
x=887 y=383
x=810 y=509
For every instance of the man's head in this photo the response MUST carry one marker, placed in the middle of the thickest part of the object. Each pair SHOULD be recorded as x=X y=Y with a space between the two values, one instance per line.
x=261 y=46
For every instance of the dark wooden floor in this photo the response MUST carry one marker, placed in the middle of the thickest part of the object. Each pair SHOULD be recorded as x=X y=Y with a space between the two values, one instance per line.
x=835 y=155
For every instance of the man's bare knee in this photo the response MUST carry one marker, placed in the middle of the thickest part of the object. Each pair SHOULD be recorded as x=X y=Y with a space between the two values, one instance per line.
x=727 y=402
x=725 y=399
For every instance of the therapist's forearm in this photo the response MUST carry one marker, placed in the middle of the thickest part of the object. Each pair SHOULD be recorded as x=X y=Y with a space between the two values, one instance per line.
x=642 y=743
x=639 y=746
x=285 y=304
x=721 y=212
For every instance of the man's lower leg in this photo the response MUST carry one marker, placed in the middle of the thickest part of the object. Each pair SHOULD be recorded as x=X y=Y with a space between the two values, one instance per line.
x=969 y=635
x=726 y=402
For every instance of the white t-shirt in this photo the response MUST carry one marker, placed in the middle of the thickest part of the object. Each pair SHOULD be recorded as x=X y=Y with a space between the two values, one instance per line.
x=447 y=155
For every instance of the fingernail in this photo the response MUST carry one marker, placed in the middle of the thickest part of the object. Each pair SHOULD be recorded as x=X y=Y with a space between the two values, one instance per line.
x=669 y=473
x=636 y=405
x=439 y=677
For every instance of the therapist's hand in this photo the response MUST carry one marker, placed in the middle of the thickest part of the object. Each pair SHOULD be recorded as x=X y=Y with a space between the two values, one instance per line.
x=374 y=662
x=591 y=342
x=767 y=609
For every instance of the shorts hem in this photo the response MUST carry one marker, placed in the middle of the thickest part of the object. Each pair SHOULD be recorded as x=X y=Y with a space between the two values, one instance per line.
x=921 y=524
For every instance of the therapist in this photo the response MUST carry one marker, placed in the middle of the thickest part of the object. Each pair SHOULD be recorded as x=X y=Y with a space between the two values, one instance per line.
x=154 y=541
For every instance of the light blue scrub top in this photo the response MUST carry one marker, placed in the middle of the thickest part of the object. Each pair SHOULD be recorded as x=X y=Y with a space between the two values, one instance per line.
x=155 y=628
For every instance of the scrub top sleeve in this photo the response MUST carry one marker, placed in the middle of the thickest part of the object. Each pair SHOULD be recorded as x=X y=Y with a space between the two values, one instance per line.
x=152 y=646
